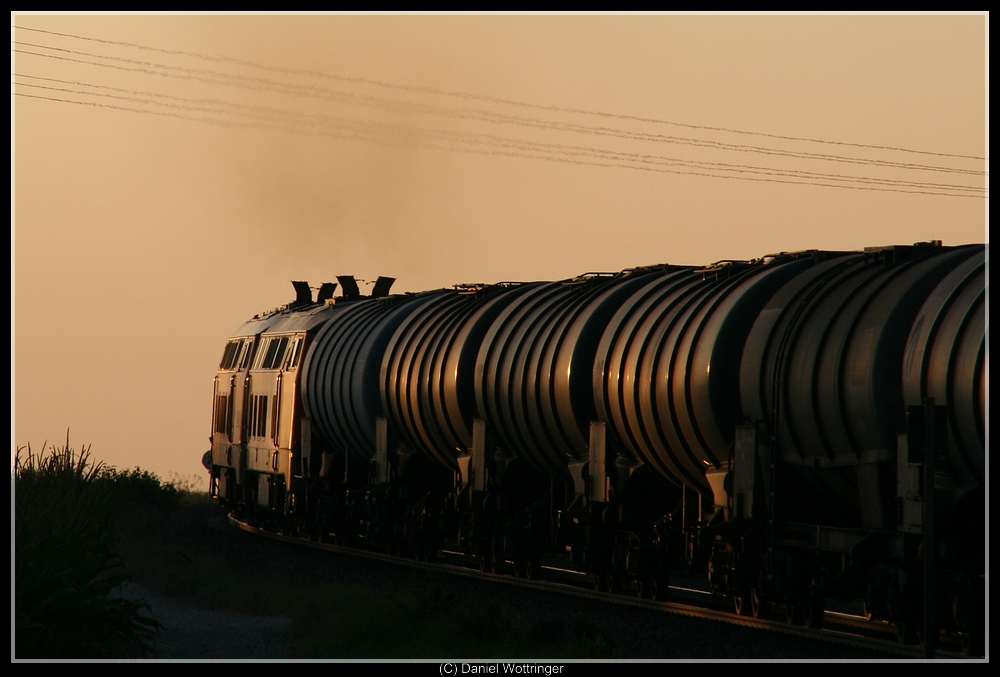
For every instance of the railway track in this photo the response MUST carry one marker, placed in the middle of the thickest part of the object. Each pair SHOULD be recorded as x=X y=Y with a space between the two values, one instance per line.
x=841 y=628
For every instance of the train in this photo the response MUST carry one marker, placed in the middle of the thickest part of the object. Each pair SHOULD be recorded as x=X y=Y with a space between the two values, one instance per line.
x=792 y=429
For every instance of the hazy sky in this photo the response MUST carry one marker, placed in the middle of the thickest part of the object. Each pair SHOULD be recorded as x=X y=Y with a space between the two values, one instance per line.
x=172 y=174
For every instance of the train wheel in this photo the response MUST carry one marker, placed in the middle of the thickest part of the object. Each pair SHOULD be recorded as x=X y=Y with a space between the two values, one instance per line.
x=976 y=642
x=533 y=566
x=426 y=553
x=660 y=586
x=521 y=567
x=486 y=561
x=525 y=568
x=499 y=559
x=788 y=613
x=907 y=629
x=758 y=607
x=741 y=605
x=418 y=553
x=813 y=610
x=618 y=577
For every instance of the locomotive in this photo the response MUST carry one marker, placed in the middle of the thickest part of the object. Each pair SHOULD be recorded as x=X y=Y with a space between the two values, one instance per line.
x=795 y=428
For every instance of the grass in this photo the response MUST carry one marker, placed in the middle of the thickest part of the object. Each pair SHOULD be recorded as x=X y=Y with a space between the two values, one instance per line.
x=66 y=562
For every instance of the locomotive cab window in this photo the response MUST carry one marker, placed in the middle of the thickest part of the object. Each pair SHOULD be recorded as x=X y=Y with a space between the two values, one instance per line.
x=258 y=359
x=272 y=348
x=230 y=356
x=271 y=352
x=265 y=350
x=280 y=345
x=293 y=353
x=242 y=354
x=245 y=355
x=226 y=355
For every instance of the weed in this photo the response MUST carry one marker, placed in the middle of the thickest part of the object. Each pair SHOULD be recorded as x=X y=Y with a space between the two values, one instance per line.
x=66 y=567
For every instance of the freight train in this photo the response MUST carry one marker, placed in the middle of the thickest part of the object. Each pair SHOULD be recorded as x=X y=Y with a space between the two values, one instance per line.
x=796 y=428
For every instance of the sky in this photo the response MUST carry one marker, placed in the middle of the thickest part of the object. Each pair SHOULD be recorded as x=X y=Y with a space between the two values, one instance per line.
x=171 y=174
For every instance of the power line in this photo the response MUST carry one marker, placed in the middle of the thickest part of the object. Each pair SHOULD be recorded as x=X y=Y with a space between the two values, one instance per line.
x=371 y=137
x=479 y=97
x=255 y=83
x=225 y=107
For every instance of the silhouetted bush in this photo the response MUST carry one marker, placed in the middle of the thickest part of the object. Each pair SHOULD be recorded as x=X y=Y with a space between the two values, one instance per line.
x=66 y=566
x=138 y=487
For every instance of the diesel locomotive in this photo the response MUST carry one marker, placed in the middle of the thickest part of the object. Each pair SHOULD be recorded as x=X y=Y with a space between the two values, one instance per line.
x=796 y=428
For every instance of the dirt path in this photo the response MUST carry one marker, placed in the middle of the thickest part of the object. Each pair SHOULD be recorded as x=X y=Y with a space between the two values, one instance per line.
x=191 y=631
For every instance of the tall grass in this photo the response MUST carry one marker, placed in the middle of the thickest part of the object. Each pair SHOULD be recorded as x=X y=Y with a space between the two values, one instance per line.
x=66 y=566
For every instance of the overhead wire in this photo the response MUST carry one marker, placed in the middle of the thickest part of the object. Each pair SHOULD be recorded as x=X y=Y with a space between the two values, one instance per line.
x=453 y=140
x=251 y=82
x=492 y=99
x=512 y=149
x=225 y=107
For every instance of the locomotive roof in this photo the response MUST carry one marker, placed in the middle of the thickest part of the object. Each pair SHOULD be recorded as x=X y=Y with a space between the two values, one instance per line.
x=304 y=319
x=288 y=319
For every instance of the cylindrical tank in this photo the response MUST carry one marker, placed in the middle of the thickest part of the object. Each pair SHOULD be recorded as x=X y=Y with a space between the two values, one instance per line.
x=946 y=360
x=823 y=363
x=667 y=368
x=428 y=371
x=535 y=365
x=342 y=393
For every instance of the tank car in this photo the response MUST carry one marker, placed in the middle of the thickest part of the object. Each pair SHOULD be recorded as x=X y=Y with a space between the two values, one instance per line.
x=793 y=429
